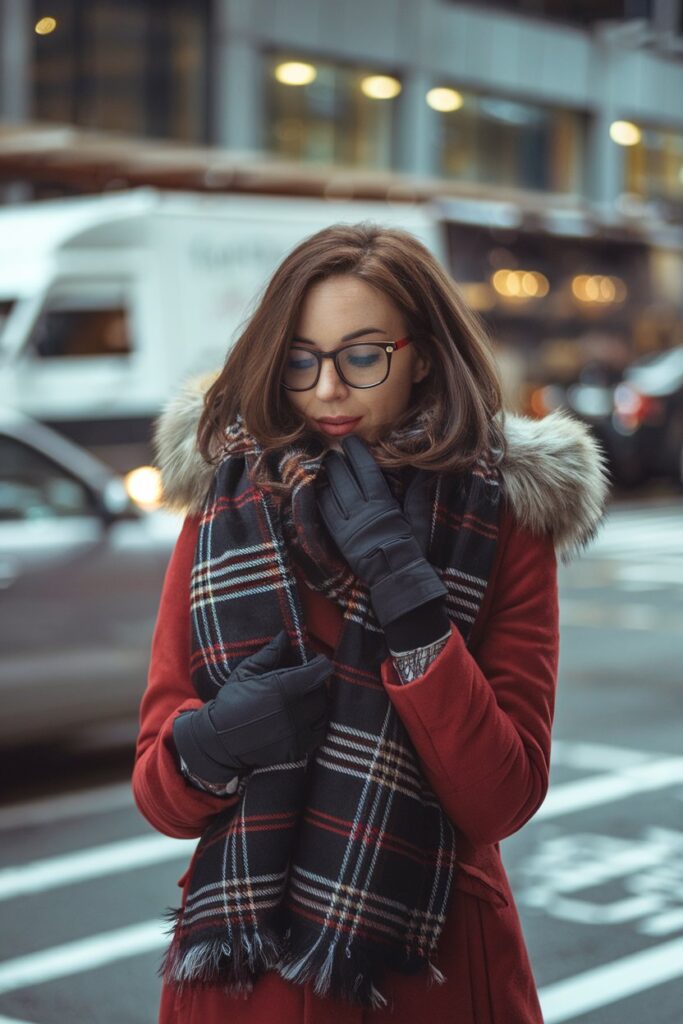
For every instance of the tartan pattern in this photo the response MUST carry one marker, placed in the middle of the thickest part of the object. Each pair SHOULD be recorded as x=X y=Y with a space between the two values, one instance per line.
x=337 y=866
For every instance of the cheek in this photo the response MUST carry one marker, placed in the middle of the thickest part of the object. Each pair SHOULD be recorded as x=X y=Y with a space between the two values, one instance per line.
x=386 y=405
x=396 y=393
x=298 y=402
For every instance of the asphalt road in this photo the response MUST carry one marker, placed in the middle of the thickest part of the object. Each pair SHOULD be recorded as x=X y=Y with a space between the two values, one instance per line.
x=597 y=873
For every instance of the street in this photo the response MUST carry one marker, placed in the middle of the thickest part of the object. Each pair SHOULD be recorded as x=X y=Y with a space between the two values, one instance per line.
x=597 y=874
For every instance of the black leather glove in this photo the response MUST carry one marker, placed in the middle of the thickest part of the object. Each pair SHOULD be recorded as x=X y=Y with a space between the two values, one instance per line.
x=373 y=534
x=267 y=712
x=418 y=627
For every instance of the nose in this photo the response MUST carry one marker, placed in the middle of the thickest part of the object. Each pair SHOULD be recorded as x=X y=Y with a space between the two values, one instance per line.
x=330 y=384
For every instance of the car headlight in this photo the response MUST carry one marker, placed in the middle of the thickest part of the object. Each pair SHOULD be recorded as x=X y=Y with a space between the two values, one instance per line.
x=143 y=486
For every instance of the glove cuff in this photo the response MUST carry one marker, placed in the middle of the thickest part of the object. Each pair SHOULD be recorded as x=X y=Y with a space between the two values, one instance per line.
x=419 y=627
x=405 y=589
x=186 y=737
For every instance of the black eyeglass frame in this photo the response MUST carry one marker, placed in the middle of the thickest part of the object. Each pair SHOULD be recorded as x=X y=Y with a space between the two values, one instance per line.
x=388 y=346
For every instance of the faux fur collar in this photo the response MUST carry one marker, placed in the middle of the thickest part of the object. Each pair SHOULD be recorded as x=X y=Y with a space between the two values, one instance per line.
x=555 y=476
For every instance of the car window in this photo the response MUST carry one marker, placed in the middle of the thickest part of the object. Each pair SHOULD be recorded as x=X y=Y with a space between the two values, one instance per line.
x=32 y=486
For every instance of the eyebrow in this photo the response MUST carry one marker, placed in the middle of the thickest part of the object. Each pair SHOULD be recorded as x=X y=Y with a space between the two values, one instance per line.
x=347 y=337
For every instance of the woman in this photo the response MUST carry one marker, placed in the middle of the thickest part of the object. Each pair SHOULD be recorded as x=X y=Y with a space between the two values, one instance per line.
x=353 y=671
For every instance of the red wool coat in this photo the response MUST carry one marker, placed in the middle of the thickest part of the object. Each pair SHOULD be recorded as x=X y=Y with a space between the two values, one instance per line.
x=480 y=720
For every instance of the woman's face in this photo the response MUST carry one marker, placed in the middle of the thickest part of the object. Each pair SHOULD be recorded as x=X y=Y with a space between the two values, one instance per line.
x=341 y=305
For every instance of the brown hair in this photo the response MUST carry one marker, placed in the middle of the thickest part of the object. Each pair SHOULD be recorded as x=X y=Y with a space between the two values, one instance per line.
x=455 y=406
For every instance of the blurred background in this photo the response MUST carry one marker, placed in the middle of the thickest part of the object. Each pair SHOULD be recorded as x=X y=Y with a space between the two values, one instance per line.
x=157 y=160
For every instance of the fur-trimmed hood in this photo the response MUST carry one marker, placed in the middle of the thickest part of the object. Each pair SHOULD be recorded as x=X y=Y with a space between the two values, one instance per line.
x=554 y=475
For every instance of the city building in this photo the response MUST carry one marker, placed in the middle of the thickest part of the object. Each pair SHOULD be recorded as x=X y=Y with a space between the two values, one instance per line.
x=574 y=98
x=551 y=132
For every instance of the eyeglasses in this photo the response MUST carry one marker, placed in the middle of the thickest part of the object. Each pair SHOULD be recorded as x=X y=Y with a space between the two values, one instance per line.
x=360 y=366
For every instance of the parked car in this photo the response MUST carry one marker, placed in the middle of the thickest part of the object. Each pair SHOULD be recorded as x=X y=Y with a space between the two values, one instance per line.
x=81 y=570
x=642 y=427
x=648 y=416
x=636 y=415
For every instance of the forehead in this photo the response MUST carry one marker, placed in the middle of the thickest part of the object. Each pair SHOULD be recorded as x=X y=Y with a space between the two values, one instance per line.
x=348 y=299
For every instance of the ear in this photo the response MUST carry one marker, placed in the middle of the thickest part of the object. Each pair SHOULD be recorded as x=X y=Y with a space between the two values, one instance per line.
x=421 y=368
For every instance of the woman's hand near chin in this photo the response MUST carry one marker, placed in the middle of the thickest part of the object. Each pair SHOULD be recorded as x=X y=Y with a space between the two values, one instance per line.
x=373 y=533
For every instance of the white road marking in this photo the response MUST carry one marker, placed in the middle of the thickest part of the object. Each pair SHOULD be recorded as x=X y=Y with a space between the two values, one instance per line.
x=82 y=955
x=654 y=573
x=610 y=983
x=647 y=618
x=46 y=810
x=642 y=547
x=567 y=877
x=584 y=755
x=601 y=789
x=73 y=868
x=655 y=534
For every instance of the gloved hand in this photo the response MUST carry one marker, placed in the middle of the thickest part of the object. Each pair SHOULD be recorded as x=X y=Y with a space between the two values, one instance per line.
x=268 y=712
x=373 y=533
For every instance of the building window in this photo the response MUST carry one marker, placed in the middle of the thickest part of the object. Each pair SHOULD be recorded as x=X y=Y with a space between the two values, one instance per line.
x=326 y=112
x=141 y=69
x=498 y=141
x=654 y=166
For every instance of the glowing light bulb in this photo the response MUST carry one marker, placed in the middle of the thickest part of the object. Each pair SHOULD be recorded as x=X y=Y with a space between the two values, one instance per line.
x=444 y=100
x=45 y=26
x=380 y=87
x=624 y=133
x=294 y=72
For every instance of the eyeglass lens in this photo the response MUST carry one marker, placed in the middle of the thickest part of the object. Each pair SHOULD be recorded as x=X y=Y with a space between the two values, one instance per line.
x=360 y=365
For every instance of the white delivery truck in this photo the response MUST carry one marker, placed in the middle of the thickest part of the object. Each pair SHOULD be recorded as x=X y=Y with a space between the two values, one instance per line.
x=108 y=302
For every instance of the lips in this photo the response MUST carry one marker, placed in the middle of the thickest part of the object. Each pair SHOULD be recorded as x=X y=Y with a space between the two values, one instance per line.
x=339 y=426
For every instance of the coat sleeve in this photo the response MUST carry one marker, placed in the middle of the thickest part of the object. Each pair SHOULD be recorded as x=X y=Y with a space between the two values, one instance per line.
x=168 y=800
x=481 y=723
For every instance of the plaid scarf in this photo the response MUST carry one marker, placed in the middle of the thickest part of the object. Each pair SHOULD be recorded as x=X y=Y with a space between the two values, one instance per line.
x=339 y=865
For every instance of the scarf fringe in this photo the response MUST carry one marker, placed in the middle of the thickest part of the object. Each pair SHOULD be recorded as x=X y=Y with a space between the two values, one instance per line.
x=435 y=974
x=216 y=961
x=337 y=973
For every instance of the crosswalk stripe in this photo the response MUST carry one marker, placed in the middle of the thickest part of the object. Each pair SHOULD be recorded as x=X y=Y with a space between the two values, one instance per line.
x=570 y=797
x=639 y=617
x=82 y=955
x=48 y=809
x=634 y=533
x=611 y=983
x=95 y=862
